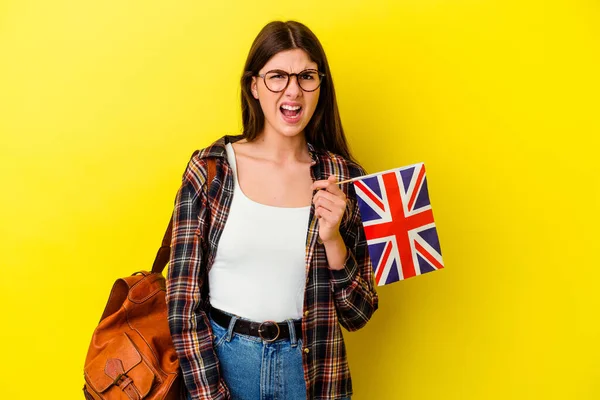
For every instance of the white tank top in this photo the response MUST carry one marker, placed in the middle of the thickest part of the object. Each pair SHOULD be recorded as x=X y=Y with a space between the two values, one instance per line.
x=259 y=269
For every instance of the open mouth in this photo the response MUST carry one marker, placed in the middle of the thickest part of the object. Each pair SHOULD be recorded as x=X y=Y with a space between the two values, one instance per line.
x=290 y=112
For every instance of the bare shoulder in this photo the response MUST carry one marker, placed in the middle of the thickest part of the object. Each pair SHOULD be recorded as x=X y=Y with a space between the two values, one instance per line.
x=243 y=148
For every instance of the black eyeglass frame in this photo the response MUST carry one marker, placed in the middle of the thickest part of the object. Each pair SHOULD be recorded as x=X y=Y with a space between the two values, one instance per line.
x=289 y=76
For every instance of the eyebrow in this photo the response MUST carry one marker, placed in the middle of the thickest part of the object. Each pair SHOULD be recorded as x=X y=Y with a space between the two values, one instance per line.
x=283 y=70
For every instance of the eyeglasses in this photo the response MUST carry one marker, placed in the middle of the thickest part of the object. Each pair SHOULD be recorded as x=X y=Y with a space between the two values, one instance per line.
x=277 y=80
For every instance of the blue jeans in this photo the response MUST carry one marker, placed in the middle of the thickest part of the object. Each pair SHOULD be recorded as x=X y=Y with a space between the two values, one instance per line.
x=258 y=370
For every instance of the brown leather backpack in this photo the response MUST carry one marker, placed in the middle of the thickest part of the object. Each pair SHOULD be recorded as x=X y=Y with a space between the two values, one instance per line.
x=131 y=355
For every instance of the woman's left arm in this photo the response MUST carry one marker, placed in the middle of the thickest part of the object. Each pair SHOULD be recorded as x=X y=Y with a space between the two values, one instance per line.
x=348 y=258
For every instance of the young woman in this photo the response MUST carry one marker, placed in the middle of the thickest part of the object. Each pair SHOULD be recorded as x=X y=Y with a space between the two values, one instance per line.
x=277 y=240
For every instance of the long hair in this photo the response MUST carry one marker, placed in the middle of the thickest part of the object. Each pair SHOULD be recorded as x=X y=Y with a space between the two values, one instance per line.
x=324 y=130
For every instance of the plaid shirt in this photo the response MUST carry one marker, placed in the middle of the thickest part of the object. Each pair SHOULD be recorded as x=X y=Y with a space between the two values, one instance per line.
x=332 y=298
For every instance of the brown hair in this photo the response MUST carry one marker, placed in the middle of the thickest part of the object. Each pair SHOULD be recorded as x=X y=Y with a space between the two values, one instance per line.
x=324 y=130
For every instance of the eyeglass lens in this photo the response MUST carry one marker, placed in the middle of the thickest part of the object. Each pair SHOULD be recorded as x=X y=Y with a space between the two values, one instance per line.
x=278 y=80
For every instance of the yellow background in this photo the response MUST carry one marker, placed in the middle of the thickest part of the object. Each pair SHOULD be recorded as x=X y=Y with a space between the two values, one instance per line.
x=102 y=103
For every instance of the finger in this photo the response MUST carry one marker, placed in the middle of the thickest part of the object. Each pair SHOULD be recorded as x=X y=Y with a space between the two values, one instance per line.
x=332 y=204
x=328 y=217
x=319 y=211
x=337 y=198
x=322 y=184
x=325 y=203
x=326 y=183
x=333 y=187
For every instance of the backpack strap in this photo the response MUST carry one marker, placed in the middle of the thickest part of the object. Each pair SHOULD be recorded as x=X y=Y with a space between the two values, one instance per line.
x=164 y=252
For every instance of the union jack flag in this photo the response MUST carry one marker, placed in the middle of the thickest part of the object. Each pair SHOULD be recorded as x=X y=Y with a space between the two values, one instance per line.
x=398 y=221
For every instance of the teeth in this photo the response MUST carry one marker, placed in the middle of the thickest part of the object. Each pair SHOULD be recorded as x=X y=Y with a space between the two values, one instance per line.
x=291 y=108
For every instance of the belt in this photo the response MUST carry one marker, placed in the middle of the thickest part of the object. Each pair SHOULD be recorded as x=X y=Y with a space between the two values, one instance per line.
x=269 y=331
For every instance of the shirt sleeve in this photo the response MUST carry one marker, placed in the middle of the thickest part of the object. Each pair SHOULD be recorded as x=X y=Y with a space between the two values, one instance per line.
x=353 y=286
x=188 y=323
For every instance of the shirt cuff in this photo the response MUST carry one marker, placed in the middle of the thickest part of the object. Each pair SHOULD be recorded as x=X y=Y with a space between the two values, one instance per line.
x=343 y=277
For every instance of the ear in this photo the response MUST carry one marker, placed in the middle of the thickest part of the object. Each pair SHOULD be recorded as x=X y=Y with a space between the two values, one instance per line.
x=254 y=87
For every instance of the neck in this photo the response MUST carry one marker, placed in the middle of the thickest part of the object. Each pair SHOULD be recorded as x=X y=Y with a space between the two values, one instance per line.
x=280 y=148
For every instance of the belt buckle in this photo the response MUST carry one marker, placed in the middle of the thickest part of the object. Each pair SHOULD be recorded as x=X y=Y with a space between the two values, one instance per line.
x=260 y=329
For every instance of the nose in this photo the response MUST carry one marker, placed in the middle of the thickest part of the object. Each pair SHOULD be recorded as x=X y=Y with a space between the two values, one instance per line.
x=293 y=88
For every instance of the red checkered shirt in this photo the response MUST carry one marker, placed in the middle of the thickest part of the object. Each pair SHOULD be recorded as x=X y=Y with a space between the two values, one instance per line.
x=332 y=298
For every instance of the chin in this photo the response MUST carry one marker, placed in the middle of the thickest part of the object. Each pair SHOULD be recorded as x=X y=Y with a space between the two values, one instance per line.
x=290 y=131
x=286 y=130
